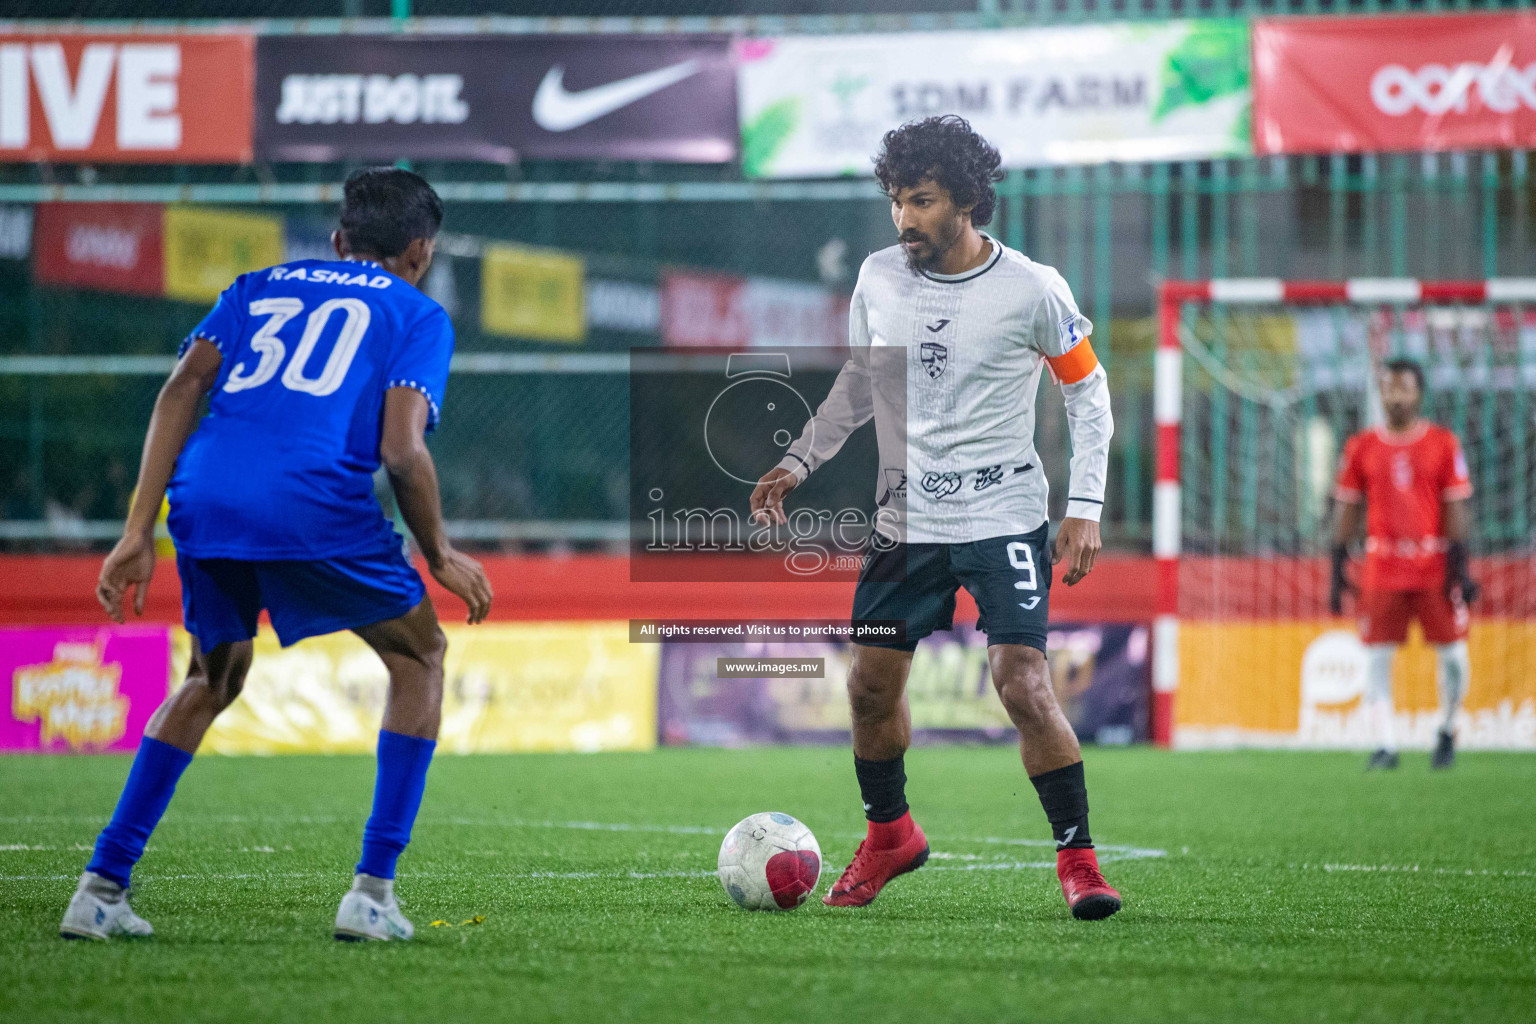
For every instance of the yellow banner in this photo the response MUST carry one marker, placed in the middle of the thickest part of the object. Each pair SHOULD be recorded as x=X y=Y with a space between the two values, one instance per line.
x=205 y=250
x=1299 y=683
x=532 y=293
x=512 y=687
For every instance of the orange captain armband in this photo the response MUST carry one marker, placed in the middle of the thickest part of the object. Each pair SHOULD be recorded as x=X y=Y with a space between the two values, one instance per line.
x=1076 y=364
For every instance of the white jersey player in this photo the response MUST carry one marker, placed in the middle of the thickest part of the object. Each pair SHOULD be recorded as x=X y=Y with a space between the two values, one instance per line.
x=949 y=331
x=975 y=344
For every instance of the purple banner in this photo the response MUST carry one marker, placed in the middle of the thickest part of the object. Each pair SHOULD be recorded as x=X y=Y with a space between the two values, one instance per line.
x=495 y=98
x=1100 y=672
x=81 y=689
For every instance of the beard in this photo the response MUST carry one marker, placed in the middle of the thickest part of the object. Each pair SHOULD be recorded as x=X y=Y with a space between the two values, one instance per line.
x=929 y=256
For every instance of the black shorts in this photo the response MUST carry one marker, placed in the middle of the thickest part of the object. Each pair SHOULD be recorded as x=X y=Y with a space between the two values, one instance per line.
x=1009 y=576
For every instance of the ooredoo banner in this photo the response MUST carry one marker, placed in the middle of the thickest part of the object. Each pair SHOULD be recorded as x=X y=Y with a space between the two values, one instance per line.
x=80 y=689
x=818 y=105
x=496 y=98
x=1394 y=84
x=126 y=98
x=114 y=247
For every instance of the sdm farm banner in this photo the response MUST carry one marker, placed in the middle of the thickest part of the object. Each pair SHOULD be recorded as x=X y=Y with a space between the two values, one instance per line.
x=818 y=105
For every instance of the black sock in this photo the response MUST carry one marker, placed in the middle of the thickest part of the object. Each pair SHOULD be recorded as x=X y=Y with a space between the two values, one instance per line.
x=883 y=784
x=1064 y=795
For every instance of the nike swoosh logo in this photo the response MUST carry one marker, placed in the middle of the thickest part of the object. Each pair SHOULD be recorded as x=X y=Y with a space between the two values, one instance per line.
x=556 y=110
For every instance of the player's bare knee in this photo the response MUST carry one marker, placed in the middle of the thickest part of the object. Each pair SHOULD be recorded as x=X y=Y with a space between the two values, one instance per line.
x=1023 y=682
x=429 y=657
x=226 y=678
x=872 y=694
x=436 y=651
x=417 y=673
x=215 y=679
x=432 y=660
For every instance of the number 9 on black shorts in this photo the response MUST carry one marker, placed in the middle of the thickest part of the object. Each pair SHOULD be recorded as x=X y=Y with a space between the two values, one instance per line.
x=1009 y=576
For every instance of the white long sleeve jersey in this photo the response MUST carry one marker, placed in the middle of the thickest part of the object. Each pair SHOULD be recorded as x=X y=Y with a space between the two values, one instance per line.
x=948 y=366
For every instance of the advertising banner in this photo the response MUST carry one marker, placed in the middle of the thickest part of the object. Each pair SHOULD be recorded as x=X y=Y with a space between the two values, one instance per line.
x=1325 y=85
x=80 y=689
x=1100 y=672
x=496 y=98
x=90 y=98
x=532 y=293
x=113 y=247
x=510 y=687
x=723 y=311
x=818 y=105
x=205 y=250
x=1303 y=683
x=623 y=306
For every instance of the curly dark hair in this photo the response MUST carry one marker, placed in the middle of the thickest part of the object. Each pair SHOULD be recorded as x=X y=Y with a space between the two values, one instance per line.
x=950 y=152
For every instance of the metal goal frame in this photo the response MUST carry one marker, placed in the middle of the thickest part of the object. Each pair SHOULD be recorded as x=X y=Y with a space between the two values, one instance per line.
x=1168 y=415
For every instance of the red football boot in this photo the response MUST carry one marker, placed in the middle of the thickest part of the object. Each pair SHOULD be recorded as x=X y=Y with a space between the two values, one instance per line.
x=1088 y=895
x=903 y=848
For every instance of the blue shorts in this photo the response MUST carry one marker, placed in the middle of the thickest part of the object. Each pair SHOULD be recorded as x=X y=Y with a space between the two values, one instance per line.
x=222 y=597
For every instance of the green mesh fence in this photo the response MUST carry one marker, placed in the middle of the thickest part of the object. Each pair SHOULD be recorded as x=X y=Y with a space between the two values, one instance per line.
x=548 y=450
x=1271 y=395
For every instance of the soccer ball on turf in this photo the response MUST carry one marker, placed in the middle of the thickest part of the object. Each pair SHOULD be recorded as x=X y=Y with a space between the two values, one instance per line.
x=769 y=861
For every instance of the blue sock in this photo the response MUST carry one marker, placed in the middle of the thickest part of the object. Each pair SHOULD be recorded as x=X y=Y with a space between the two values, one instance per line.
x=403 y=762
x=151 y=781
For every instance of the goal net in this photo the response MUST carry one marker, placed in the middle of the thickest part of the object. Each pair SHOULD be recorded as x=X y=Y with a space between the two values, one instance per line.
x=1259 y=383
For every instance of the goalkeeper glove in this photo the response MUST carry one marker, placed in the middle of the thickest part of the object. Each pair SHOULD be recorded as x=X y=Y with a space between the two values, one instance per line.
x=1457 y=574
x=1338 y=583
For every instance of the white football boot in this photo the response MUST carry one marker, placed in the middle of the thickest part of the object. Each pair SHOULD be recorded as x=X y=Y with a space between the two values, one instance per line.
x=369 y=912
x=99 y=910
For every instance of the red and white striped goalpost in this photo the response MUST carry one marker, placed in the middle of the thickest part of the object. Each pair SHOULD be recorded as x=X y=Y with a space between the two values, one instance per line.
x=1167 y=414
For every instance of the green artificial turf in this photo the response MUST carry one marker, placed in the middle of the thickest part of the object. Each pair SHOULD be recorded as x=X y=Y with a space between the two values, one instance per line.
x=1291 y=886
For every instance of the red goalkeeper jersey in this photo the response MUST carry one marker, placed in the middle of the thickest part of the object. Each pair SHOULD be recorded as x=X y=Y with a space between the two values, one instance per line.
x=1403 y=479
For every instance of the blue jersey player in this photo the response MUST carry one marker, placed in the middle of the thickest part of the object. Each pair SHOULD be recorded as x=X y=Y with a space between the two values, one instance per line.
x=316 y=372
